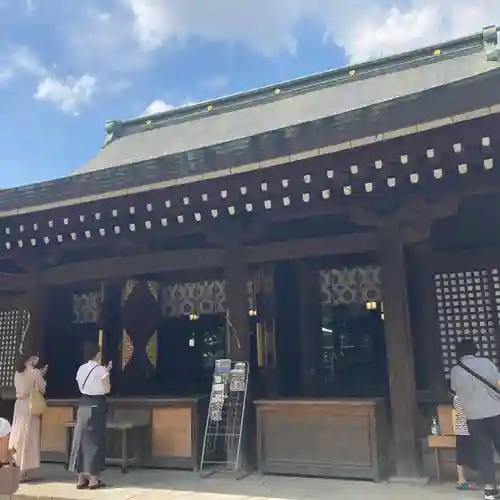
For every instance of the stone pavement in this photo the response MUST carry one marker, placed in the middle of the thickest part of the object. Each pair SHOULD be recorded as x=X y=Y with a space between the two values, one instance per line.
x=179 y=485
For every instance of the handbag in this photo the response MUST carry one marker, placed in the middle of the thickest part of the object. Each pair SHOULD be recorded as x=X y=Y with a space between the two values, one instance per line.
x=481 y=379
x=37 y=402
x=10 y=477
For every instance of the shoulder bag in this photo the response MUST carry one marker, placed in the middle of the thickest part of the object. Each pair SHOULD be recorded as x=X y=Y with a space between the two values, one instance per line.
x=481 y=379
x=37 y=402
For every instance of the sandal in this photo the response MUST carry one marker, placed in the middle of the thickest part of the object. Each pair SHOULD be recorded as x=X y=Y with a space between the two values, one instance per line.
x=97 y=486
x=83 y=486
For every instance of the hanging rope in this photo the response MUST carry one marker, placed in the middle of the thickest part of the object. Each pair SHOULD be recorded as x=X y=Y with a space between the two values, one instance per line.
x=231 y=333
x=24 y=321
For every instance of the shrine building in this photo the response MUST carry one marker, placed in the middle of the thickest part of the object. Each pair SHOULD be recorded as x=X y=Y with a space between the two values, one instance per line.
x=337 y=231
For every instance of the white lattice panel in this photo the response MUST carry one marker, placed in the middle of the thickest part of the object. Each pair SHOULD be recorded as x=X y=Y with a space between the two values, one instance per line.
x=467 y=308
x=10 y=324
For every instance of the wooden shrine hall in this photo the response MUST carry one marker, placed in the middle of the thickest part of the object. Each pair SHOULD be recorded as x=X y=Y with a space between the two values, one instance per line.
x=342 y=223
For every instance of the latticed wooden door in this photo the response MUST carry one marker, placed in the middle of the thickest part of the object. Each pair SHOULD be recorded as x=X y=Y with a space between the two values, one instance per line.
x=14 y=324
x=468 y=306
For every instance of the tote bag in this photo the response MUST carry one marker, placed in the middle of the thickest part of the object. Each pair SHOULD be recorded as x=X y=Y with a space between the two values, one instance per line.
x=37 y=402
x=10 y=476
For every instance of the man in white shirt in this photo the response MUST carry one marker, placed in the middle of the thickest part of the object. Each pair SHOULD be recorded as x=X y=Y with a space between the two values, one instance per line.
x=89 y=441
x=93 y=379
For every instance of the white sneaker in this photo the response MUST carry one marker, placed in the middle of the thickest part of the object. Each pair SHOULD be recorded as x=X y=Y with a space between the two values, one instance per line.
x=490 y=496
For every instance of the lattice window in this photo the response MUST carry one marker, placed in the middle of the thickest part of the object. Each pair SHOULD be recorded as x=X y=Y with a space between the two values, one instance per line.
x=11 y=324
x=204 y=297
x=467 y=308
x=356 y=285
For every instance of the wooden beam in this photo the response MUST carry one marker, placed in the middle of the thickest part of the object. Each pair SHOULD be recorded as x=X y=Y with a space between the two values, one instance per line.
x=10 y=282
x=311 y=247
x=13 y=301
x=135 y=265
x=202 y=258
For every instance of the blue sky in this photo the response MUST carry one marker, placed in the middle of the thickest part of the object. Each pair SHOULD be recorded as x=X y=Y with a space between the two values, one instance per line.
x=66 y=67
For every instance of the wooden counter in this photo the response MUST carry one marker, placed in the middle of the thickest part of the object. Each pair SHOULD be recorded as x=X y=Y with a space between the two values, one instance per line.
x=174 y=429
x=322 y=437
x=53 y=444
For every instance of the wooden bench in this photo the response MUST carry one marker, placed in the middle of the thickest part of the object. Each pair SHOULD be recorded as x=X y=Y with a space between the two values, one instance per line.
x=447 y=438
x=129 y=430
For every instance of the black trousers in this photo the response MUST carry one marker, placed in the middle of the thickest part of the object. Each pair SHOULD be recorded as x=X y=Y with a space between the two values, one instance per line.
x=485 y=433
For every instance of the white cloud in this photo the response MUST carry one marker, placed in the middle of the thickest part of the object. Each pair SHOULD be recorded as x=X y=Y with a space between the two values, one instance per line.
x=156 y=107
x=363 y=28
x=404 y=27
x=21 y=60
x=69 y=95
x=160 y=106
x=115 y=38
x=102 y=41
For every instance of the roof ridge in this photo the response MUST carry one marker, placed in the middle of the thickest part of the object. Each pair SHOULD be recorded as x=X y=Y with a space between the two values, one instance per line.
x=484 y=40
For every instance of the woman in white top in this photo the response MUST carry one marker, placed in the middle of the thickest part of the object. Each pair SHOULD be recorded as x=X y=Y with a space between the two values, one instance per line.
x=88 y=451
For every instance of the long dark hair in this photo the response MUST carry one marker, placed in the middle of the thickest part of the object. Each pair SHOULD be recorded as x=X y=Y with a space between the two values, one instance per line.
x=466 y=347
x=21 y=362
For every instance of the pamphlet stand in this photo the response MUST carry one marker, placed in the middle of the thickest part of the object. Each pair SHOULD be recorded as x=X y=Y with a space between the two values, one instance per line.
x=226 y=412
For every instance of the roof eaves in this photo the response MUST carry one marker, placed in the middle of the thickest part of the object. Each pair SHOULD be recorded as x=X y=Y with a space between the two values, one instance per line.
x=94 y=186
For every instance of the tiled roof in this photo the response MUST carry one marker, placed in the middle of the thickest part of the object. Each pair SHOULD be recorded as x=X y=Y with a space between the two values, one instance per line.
x=257 y=126
x=334 y=93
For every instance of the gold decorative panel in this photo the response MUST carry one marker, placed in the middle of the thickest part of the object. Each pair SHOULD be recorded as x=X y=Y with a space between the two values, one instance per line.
x=127 y=350
x=350 y=285
x=468 y=303
x=154 y=289
x=152 y=349
x=140 y=317
x=129 y=288
x=86 y=307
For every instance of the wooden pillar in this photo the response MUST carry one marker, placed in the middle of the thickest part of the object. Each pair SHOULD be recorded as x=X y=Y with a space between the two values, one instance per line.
x=426 y=319
x=236 y=274
x=399 y=351
x=311 y=337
